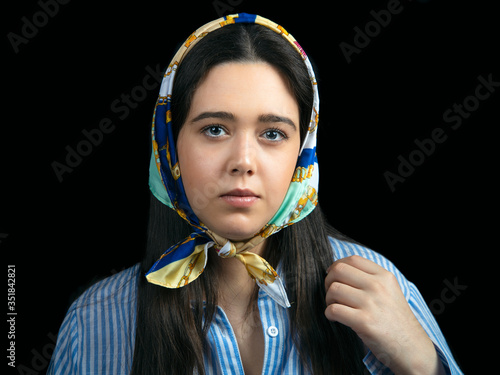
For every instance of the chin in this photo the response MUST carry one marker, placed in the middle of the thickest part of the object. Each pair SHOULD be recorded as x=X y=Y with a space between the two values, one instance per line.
x=237 y=233
x=238 y=236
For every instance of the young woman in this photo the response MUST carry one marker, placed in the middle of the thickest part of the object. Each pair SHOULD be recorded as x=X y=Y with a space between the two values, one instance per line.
x=241 y=273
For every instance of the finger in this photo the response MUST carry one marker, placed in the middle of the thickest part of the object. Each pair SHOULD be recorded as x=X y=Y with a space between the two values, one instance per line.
x=345 y=273
x=346 y=315
x=345 y=295
x=363 y=264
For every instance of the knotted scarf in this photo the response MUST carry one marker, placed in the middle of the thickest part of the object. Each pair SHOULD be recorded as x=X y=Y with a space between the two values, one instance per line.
x=186 y=260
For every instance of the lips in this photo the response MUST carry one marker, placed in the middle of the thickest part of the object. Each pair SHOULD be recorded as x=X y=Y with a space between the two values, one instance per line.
x=240 y=198
x=240 y=193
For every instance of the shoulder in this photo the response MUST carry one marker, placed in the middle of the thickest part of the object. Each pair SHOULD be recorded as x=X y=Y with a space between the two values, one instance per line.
x=118 y=288
x=343 y=249
x=106 y=300
x=99 y=328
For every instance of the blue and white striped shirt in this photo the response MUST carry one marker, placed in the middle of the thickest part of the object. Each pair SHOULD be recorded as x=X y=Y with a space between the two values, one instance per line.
x=98 y=333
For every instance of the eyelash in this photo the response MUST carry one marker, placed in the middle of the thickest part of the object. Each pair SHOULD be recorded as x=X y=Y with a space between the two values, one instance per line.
x=280 y=132
x=205 y=130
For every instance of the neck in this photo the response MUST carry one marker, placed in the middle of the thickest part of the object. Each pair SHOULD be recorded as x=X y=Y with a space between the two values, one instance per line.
x=237 y=288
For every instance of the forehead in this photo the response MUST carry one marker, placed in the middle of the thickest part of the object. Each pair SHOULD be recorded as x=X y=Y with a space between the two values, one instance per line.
x=244 y=87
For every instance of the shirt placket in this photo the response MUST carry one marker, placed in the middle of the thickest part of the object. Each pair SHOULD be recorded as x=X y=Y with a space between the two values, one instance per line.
x=274 y=330
x=222 y=338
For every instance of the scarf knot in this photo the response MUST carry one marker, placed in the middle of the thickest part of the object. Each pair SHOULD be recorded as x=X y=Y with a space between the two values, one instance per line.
x=226 y=251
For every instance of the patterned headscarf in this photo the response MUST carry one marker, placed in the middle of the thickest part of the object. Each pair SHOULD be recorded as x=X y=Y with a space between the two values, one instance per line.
x=185 y=261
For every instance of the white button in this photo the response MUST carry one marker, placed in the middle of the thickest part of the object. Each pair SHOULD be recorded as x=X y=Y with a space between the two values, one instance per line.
x=272 y=331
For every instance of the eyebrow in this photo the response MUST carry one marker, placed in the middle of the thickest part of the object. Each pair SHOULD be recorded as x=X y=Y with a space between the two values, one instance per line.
x=269 y=117
x=220 y=115
x=275 y=118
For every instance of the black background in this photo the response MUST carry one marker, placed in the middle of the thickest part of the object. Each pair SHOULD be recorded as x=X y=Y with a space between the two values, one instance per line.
x=436 y=226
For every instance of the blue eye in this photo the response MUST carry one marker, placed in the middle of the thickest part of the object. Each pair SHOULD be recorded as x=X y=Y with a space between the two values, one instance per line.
x=213 y=131
x=275 y=135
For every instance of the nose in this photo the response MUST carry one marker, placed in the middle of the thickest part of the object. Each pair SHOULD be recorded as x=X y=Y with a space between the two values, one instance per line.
x=242 y=159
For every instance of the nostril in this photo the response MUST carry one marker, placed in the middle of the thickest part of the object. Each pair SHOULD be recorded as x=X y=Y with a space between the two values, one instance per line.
x=242 y=171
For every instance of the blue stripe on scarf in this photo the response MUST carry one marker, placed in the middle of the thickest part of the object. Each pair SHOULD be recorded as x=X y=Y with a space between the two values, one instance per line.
x=245 y=18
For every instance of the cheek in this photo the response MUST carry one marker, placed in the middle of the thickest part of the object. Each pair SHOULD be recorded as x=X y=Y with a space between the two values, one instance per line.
x=279 y=175
x=199 y=177
x=192 y=165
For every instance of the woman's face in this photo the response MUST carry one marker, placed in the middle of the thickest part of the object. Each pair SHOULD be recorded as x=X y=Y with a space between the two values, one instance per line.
x=238 y=148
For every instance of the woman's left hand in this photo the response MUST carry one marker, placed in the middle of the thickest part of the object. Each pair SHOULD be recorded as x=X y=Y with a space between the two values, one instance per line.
x=366 y=297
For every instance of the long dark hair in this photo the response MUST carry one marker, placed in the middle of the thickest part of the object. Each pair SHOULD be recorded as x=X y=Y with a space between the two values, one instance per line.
x=172 y=323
